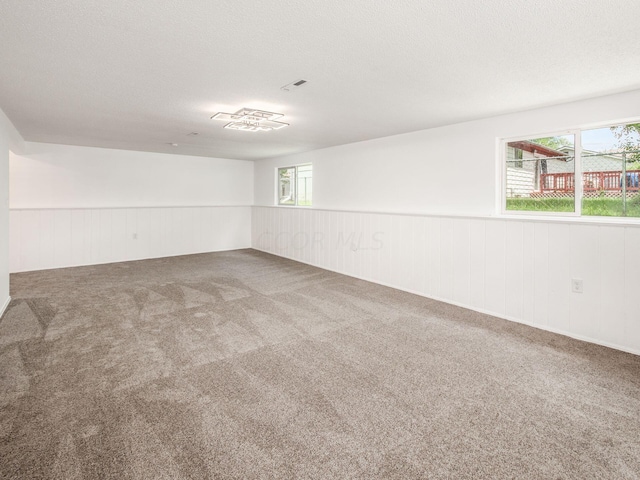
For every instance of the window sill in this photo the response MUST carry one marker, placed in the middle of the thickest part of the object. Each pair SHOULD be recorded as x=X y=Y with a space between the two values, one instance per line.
x=631 y=221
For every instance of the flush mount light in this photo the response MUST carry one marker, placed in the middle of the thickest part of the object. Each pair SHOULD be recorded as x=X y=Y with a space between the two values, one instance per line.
x=251 y=120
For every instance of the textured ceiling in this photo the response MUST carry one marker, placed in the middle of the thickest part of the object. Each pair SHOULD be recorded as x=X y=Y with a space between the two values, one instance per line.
x=143 y=74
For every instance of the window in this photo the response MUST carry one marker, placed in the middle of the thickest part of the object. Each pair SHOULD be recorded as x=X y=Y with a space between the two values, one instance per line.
x=540 y=173
x=294 y=185
x=515 y=154
x=544 y=181
x=611 y=171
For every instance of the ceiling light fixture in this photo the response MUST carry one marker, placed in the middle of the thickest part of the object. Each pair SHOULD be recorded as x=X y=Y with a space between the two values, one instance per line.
x=251 y=120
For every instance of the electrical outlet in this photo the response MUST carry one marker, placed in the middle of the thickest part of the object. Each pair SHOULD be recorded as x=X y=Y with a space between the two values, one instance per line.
x=576 y=285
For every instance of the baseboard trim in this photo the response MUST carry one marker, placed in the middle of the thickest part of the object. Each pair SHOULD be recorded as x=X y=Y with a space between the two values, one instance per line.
x=469 y=307
x=4 y=307
x=128 y=260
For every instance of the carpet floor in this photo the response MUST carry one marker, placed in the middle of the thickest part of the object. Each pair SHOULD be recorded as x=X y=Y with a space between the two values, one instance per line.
x=245 y=365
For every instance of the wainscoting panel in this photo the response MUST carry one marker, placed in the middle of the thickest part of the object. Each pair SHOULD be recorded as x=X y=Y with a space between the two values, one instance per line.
x=516 y=269
x=54 y=238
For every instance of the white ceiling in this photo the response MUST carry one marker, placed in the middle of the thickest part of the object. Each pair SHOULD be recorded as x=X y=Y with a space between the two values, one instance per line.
x=143 y=74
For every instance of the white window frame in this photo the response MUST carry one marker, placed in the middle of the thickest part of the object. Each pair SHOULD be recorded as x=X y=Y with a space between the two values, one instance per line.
x=277 y=175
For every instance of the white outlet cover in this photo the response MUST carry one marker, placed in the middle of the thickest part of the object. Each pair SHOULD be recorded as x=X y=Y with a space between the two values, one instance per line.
x=576 y=285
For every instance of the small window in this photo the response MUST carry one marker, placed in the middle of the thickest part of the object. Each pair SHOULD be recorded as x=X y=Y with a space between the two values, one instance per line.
x=295 y=185
x=515 y=155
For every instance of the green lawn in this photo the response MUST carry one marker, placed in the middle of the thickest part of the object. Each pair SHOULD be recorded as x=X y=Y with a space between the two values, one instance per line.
x=602 y=207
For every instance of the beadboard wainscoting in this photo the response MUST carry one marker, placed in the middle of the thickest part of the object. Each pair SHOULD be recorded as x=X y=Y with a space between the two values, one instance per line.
x=54 y=238
x=520 y=270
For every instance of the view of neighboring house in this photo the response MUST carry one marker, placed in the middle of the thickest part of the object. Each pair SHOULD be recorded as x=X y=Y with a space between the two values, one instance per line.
x=528 y=161
x=535 y=170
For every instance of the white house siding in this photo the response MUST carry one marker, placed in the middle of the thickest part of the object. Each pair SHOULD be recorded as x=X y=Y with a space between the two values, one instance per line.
x=601 y=163
x=520 y=182
x=561 y=166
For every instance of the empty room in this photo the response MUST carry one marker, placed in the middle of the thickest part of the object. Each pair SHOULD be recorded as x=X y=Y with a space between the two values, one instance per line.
x=319 y=240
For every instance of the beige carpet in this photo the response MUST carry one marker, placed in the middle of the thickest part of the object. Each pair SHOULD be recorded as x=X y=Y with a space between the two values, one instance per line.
x=245 y=365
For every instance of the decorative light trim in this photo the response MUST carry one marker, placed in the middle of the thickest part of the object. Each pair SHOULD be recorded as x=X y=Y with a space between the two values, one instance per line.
x=251 y=120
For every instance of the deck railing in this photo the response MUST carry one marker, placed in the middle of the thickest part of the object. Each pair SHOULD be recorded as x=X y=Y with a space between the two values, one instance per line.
x=610 y=181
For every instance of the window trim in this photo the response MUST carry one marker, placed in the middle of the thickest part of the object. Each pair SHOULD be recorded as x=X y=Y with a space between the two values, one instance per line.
x=277 y=189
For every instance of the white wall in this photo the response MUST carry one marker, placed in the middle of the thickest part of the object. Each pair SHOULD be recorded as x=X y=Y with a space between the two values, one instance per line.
x=9 y=139
x=451 y=248
x=447 y=170
x=63 y=176
x=62 y=237
x=4 y=219
x=79 y=205
x=515 y=269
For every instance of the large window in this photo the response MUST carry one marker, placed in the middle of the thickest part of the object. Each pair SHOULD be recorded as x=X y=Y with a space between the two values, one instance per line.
x=540 y=173
x=295 y=185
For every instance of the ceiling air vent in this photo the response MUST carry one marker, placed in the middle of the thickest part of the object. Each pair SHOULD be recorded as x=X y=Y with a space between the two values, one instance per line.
x=293 y=85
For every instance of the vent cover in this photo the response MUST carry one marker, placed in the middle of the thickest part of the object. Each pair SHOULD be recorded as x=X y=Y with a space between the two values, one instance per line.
x=293 y=85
